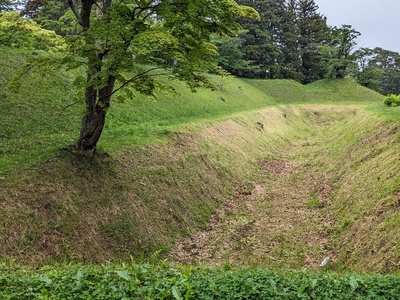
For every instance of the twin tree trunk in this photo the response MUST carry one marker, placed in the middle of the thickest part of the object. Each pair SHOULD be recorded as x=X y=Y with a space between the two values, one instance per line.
x=97 y=103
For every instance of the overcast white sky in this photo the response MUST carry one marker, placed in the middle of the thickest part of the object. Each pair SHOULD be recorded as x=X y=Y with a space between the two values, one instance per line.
x=377 y=20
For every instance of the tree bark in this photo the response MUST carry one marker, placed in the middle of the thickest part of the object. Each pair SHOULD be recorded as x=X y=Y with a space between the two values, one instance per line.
x=92 y=127
x=97 y=101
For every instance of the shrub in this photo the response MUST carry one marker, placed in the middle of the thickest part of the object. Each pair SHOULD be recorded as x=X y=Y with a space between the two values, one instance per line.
x=392 y=100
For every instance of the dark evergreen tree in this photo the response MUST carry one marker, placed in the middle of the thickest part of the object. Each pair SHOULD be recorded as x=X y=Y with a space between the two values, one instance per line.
x=313 y=30
x=46 y=12
x=260 y=43
x=32 y=8
x=289 y=42
x=230 y=56
x=285 y=42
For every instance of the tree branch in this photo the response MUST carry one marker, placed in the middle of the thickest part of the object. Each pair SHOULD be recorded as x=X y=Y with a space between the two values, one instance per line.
x=69 y=105
x=74 y=9
x=134 y=78
x=148 y=7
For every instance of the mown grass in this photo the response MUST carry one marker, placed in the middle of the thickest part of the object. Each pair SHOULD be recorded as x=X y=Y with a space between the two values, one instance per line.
x=42 y=117
x=140 y=201
x=32 y=128
x=176 y=161
x=361 y=157
x=37 y=120
x=139 y=120
x=324 y=91
x=352 y=154
x=384 y=112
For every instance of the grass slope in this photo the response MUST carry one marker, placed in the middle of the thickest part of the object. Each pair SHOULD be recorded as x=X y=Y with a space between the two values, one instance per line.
x=323 y=182
x=176 y=162
x=38 y=120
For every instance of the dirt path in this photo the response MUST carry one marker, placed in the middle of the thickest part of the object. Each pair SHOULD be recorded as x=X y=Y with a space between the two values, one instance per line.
x=276 y=222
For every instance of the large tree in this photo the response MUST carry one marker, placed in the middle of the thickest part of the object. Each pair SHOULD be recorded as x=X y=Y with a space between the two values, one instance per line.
x=366 y=72
x=389 y=63
x=260 y=43
x=285 y=42
x=338 y=52
x=125 y=44
x=289 y=42
x=46 y=12
x=230 y=57
x=313 y=30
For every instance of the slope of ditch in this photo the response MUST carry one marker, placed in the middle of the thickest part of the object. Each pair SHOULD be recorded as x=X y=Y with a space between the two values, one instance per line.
x=330 y=192
x=276 y=224
x=277 y=219
x=283 y=187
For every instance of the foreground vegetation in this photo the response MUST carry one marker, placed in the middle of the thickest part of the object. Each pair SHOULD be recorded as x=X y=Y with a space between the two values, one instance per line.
x=147 y=281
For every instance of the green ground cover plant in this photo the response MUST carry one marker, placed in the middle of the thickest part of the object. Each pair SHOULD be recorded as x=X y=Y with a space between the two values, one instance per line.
x=161 y=281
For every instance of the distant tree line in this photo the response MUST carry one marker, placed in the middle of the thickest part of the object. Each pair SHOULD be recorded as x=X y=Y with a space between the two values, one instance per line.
x=378 y=69
x=291 y=40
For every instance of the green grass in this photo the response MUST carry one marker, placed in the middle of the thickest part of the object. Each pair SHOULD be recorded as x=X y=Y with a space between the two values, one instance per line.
x=37 y=120
x=360 y=156
x=32 y=128
x=176 y=161
x=384 y=112
x=140 y=120
x=323 y=91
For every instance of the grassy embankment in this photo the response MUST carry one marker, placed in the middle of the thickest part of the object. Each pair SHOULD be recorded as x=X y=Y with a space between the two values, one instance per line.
x=331 y=145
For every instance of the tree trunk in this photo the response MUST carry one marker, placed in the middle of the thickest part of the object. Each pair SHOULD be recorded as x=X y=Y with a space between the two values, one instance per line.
x=92 y=127
x=340 y=72
x=98 y=101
